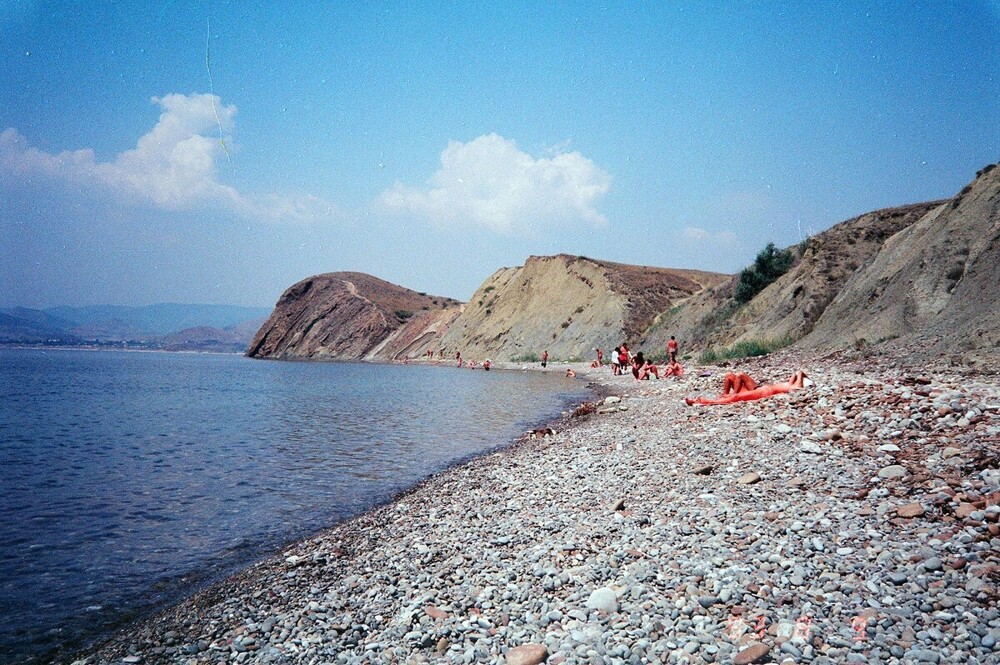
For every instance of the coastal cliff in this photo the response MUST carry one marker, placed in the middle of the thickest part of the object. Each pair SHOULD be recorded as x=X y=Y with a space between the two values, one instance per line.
x=568 y=305
x=936 y=281
x=352 y=316
x=926 y=273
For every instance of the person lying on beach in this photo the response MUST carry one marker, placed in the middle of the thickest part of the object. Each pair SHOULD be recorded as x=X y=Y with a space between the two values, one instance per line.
x=741 y=388
x=486 y=364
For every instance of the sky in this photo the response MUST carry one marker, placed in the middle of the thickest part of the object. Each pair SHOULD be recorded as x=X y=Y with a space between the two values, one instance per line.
x=218 y=152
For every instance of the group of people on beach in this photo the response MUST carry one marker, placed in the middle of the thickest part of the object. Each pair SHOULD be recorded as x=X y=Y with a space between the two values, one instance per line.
x=623 y=361
x=736 y=386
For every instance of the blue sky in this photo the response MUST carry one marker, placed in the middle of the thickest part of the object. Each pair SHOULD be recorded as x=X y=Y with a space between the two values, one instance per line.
x=216 y=152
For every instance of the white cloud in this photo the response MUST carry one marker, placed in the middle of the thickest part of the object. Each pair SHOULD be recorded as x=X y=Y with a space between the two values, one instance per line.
x=489 y=182
x=173 y=167
x=717 y=237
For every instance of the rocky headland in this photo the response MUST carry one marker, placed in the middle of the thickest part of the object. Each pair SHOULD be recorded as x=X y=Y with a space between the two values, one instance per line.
x=351 y=316
x=852 y=521
x=927 y=273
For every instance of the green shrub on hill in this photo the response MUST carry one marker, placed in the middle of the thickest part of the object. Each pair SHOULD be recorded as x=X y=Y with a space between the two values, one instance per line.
x=745 y=349
x=770 y=264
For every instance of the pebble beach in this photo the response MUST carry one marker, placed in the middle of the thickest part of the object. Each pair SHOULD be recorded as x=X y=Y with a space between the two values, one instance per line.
x=854 y=521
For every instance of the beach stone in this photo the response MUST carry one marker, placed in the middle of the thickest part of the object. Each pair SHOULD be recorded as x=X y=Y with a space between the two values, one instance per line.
x=749 y=478
x=888 y=448
x=932 y=564
x=755 y=653
x=892 y=471
x=435 y=613
x=604 y=599
x=950 y=452
x=613 y=399
x=923 y=655
x=704 y=469
x=964 y=510
x=910 y=510
x=527 y=654
x=810 y=446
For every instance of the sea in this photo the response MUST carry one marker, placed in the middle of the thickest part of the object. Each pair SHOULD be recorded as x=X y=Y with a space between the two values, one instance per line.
x=129 y=480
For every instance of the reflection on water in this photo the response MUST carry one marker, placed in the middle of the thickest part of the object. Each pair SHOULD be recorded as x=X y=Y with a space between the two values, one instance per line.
x=130 y=479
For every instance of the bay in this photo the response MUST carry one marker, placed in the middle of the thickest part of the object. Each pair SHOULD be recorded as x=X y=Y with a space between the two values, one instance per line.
x=130 y=480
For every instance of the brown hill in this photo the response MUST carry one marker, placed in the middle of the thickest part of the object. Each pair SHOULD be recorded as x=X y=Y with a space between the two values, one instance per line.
x=351 y=316
x=790 y=307
x=567 y=305
x=937 y=280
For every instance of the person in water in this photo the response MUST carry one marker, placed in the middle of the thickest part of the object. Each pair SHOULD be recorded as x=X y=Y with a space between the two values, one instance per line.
x=739 y=387
x=486 y=364
x=570 y=373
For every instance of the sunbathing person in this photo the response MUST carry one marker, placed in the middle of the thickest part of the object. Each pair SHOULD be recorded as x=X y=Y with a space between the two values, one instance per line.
x=741 y=388
x=737 y=383
x=673 y=368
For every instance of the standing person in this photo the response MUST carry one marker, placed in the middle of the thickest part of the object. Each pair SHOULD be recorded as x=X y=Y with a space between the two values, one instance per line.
x=623 y=357
x=672 y=349
x=545 y=358
x=615 y=366
x=600 y=358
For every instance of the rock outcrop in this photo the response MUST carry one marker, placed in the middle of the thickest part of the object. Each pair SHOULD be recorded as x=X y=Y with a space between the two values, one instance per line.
x=352 y=316
x=938 y=280
x=568 y=305
x=791 y=306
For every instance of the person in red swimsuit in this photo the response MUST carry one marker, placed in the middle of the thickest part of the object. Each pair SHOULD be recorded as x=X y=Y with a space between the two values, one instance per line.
x=741 y=388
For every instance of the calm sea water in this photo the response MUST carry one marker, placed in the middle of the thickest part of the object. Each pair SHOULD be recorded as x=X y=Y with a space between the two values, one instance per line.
x=128 y=480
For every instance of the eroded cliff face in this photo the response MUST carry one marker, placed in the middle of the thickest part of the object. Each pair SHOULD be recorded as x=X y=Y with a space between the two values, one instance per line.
x=352 y=316
x=790 y=307
x=568 y=306
x=937 y=280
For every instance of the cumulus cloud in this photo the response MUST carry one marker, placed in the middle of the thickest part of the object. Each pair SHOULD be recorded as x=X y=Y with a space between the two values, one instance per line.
x=715 y=237
x=489 y=182
x=173 y=167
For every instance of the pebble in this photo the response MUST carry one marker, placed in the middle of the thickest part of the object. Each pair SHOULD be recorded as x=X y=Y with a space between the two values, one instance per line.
x=633 y=536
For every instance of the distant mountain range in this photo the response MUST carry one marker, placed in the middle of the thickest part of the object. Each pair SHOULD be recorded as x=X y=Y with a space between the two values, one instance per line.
x=169 y=326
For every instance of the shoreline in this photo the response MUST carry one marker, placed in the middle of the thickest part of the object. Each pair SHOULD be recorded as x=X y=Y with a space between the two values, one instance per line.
x=641 y=535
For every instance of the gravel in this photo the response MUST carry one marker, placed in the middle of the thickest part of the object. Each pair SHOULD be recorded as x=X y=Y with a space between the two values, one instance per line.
x=766 y=531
